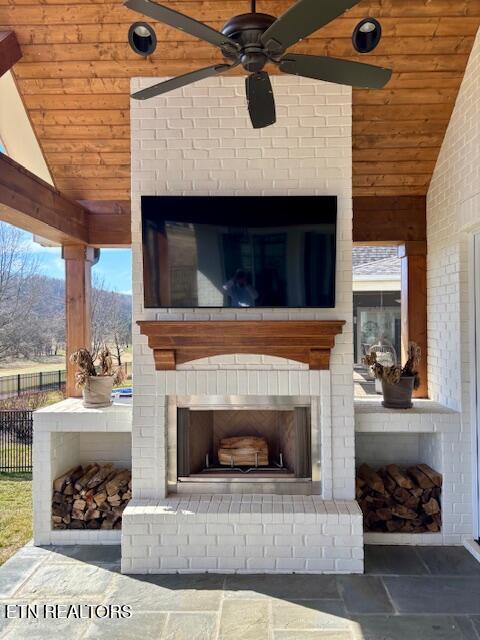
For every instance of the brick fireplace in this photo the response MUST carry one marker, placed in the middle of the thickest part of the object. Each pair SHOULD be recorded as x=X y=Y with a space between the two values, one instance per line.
x=183 y=144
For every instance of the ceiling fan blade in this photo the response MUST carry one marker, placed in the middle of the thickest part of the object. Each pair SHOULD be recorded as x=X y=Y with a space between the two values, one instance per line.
x=181 y=22
x=180 y=81
x=354 y=74
x=302 y=19
x=261 y=103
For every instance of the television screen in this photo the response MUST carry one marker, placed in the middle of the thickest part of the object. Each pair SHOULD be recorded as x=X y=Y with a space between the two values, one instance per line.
x=239 y=252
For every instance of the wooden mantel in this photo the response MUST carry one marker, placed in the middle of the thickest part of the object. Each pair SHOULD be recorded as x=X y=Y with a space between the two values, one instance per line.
x=178 y=342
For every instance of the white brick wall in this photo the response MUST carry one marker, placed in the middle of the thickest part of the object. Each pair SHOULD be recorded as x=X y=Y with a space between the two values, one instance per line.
x=427 y=433
x=105 y=447
x=242 y=534
x=453 y=212
x=198 y=140
x=64 y=435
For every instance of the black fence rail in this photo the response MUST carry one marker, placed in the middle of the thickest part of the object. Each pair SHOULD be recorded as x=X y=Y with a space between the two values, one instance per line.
x=16 y=433
x=27 y=383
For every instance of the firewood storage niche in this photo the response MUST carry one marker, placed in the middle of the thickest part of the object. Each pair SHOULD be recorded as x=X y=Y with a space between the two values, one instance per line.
x=223 y=447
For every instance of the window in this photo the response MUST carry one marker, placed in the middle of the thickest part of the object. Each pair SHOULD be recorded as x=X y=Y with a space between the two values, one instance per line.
x=376 y=310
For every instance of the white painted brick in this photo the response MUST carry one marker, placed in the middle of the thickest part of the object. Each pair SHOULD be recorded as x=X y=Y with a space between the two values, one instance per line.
x=348 y=566
x=228 y=540
x=307 y=552
x=221 y=550
x=203 y=563
x=278 y=551
x=192 y=551
x=261 y=540
x=250 y=529
x=230 y=563
x=204 y=143
x=249 y=551
x=261 y=564
x=322 y=565
x=289 y=539
x=238 y=555
x=171 y=539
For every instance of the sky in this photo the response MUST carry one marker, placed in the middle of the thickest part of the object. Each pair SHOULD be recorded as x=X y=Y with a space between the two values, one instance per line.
x=114 y=267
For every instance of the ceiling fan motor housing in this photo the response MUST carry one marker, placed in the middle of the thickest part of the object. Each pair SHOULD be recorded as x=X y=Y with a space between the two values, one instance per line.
x=247 y=30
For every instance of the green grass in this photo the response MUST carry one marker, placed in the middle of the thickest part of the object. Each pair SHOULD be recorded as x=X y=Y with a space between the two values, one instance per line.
x=15 y=455
x=126 y=384
x=46 y=363
x=15 y=512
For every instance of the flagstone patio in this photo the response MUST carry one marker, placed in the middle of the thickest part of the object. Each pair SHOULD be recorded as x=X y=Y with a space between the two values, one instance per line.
x=431 y=593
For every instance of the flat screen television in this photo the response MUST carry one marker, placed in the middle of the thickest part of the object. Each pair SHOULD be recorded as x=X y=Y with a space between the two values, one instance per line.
x=239 y=251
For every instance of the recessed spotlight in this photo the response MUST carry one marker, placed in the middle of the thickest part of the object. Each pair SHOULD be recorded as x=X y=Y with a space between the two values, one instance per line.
x=142 y=38
x=366 y=35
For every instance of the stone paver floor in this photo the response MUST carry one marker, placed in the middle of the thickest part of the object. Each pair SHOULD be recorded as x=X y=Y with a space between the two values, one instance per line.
x=406 y=594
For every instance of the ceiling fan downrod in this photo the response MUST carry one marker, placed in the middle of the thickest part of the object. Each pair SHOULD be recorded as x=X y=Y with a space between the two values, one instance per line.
x=254 y=6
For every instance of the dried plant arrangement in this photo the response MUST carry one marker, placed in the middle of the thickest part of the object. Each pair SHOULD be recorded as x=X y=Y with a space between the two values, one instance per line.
x=86 y=369
x=393 y=374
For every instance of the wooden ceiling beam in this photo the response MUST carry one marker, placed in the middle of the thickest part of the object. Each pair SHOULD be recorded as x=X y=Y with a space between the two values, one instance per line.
x=389 y=219
x=9 y=51
x=31 y=204
x=28 y=202
x=109 y=222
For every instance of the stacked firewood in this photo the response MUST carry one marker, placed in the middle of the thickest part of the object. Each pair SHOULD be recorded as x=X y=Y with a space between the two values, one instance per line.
x=400 y=500
x=91 y=497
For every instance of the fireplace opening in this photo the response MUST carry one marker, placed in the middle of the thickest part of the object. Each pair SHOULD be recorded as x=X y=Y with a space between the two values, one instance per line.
x=243 y=445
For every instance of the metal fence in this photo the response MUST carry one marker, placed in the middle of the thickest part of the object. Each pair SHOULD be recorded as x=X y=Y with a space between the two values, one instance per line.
x=16 y=432
x=26 y=383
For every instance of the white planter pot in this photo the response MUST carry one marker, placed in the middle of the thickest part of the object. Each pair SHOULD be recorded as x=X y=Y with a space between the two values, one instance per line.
x=98 y=391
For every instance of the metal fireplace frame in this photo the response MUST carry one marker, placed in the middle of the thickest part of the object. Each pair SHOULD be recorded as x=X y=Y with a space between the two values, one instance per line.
x=236 y=485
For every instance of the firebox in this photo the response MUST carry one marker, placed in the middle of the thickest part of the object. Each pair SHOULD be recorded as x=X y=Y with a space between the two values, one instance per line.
x=233 y=444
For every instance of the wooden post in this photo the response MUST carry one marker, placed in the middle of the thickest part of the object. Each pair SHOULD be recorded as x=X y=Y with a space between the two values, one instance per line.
x=78 y=267
x=414 y=305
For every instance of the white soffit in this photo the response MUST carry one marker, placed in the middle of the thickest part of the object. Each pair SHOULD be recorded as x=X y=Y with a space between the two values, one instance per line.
x=16 y=131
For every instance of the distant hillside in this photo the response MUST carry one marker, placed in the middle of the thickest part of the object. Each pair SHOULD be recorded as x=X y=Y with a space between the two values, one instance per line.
x=35 y=325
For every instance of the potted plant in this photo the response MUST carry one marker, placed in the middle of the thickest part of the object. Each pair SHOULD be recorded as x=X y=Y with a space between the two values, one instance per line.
x=398 y=382
x=96 y=385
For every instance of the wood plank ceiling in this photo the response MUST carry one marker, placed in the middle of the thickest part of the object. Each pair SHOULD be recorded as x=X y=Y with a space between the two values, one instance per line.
x=76 y=65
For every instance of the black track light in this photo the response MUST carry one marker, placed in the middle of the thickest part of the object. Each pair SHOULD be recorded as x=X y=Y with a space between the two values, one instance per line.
x=366 y=35
x=142 y=38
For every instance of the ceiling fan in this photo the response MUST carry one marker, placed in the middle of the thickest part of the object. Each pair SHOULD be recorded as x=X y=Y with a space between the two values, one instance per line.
x=256 y=39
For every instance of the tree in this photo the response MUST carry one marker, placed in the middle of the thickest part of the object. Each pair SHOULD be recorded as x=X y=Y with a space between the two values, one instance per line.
x=121 y=327
x=17 y=293
x=32 y=306
x=111 y=319
x=99 y=327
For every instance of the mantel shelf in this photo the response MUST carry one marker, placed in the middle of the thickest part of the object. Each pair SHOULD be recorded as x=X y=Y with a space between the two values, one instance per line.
x=177 y=342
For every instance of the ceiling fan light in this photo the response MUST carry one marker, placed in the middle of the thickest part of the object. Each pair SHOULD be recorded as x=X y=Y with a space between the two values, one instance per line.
x=142 y=38
x=367 y=35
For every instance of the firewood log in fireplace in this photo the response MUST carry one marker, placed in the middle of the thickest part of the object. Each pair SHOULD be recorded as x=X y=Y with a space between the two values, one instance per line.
x=243 y=451
x=91 y=497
